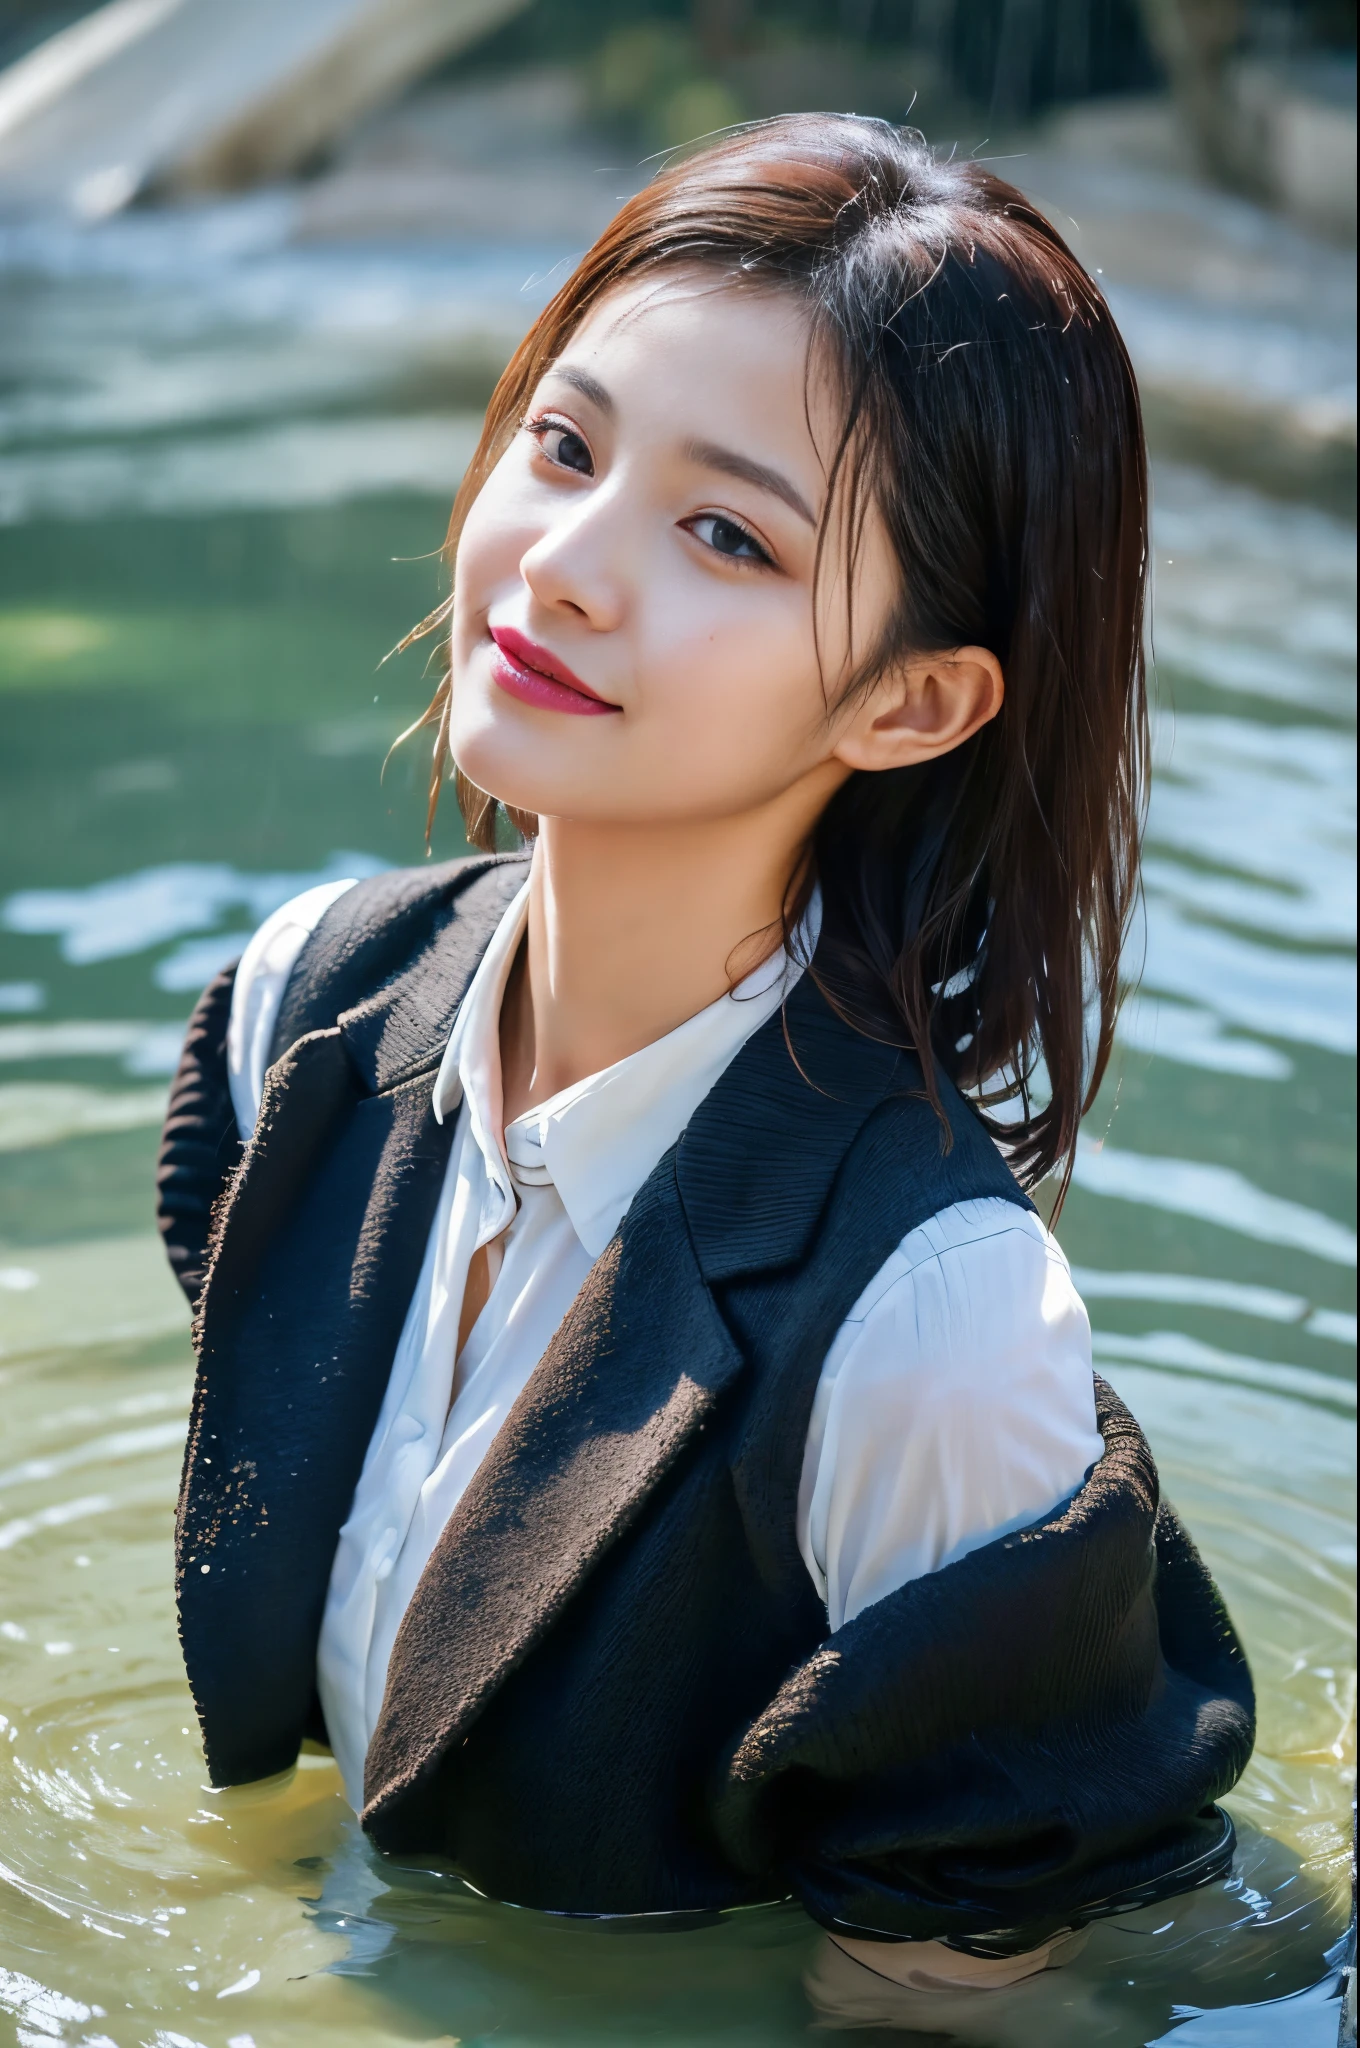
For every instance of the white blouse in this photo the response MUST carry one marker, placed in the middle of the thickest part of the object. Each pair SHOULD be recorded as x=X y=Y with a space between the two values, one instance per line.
x=955 y=1404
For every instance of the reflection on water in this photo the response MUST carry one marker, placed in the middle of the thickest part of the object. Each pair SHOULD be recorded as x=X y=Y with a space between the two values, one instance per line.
x=196 y=587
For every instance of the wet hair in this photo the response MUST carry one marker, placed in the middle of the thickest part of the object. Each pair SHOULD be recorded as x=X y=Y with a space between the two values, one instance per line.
x=974 y=907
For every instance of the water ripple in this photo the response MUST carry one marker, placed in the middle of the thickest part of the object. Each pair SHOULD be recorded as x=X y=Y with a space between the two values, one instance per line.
x=1214 y=1194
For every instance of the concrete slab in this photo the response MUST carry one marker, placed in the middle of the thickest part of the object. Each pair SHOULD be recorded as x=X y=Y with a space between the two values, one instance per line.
x=1240 y=322
x=181 y=96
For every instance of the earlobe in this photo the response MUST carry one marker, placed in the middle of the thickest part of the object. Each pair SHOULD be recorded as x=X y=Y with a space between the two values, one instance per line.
x=923 y=708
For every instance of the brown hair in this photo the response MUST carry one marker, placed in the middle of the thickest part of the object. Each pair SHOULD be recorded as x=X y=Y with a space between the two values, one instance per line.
x=974 y=907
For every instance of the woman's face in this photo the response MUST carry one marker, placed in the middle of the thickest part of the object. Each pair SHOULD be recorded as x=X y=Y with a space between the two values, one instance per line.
x=633 y=627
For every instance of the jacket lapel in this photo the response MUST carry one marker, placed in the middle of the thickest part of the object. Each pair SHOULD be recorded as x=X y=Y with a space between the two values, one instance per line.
x=402 y=1028
x=315 y=1257
x=758 y=1160
x=633 y=1373
x=637 y=1367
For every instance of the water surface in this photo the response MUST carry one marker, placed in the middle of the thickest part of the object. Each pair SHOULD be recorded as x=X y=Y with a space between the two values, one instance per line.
x=218 y=513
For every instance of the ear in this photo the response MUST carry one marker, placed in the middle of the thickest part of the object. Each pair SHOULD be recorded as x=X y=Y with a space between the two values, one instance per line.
x=922 y=708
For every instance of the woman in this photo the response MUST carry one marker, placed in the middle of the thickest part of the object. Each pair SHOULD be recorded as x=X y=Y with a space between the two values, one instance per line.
x=642 y=1424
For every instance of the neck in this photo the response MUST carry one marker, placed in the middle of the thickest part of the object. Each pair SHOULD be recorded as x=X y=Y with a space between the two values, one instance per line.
x=632 y=930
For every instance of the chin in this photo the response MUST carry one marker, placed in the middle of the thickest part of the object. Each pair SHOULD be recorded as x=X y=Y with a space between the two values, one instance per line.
x=503 y=772
x=510 y=755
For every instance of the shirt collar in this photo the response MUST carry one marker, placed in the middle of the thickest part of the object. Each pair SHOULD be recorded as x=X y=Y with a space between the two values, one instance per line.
x=471 y=1066
x=597 y=1141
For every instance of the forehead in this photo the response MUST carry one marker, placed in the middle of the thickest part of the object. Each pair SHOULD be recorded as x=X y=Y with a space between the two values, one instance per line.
x=696 y=338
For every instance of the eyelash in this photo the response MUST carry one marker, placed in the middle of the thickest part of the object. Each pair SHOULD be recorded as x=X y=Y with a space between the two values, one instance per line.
x=544 y=423
x=762 y=559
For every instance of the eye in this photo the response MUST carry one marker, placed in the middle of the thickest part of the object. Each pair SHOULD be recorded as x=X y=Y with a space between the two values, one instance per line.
x=727 y=538
x=562 y=445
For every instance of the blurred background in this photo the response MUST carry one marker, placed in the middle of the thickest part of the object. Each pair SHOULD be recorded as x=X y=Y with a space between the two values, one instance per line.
x=259 y=268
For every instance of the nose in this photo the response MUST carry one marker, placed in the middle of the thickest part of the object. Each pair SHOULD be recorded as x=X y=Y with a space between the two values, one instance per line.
x=580 y=564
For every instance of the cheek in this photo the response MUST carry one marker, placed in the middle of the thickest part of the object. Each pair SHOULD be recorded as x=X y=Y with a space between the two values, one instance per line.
x=491 y=546
x=732 y=672
x=725 y=706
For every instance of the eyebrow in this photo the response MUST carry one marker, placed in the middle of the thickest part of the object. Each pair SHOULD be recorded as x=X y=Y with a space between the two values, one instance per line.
x=710 y=456
x=588 y=386
x=707 y=454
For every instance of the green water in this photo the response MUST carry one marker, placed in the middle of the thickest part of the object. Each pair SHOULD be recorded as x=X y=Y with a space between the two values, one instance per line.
x=193 y=725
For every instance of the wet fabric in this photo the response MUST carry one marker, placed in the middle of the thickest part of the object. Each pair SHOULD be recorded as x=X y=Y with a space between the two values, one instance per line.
x=613 y=1691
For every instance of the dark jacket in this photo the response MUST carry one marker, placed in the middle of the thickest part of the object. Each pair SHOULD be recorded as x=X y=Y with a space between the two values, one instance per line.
x=614 y=1690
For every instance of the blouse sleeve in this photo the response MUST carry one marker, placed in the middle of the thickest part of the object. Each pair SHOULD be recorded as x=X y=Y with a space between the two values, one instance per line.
x=957 y=1404
x=261 y=979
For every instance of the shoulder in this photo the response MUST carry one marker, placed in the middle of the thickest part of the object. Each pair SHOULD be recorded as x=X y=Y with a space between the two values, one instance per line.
x=274 y=948
x=972 y=1330
x=324 y=952
x=915 y=1159
x=378 y=928
x=974 y=1323
x=972 y=1272
x=261 y=976
x=957 y=1402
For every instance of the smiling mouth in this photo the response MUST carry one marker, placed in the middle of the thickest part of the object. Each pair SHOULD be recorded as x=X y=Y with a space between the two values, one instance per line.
x=535 y=676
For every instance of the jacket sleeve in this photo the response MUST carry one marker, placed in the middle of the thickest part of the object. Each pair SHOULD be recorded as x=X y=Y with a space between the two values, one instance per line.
x=1021 y=1742
x=200 y=1146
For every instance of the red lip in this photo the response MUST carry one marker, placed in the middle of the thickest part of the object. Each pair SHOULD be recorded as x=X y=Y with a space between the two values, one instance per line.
x=525 y=670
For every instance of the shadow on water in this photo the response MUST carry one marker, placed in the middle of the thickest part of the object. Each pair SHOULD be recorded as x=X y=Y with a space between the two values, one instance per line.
x=426 y=1948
